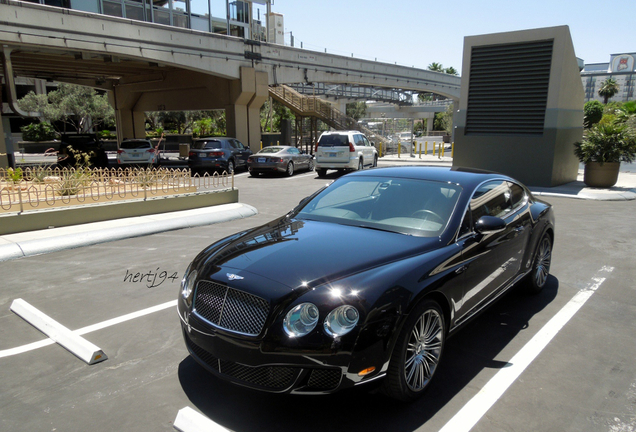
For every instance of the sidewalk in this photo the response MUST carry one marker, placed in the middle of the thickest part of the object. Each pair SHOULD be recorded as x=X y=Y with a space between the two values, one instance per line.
x=55 y=239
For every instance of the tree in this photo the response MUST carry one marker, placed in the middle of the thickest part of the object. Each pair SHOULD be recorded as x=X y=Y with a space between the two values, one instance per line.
x=78 y=106
x=592 y=113
x=444 y=120
x=608 y=89
x=435 y=67
x=451 y=71
x=356 y=110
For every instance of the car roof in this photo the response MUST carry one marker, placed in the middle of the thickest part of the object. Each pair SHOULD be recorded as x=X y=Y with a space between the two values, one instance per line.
x=465 y=177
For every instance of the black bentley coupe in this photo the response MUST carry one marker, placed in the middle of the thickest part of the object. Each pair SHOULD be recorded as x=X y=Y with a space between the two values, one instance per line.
x=363 y=280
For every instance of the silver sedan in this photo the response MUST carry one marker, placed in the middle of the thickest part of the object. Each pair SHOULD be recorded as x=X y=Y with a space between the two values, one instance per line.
x=279 y=159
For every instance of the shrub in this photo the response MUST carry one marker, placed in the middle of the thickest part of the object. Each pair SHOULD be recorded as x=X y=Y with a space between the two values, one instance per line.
x=592 y=113
x=38 y=132
x=607 y=143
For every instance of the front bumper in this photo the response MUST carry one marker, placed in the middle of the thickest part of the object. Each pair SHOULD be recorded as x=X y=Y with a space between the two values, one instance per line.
x=259 y=365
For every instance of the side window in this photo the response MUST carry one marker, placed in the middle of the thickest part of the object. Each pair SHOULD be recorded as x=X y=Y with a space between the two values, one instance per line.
x=294 y=151
x=466 y=225
x=366 y=141
x=517 y=195
x=491 y=199
x=357 y=140
x=237 y=144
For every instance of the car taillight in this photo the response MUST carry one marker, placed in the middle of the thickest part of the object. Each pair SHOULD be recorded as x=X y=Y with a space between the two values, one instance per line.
x=216 y=154
x=120 y=151
x=151 y=150
x=351 y=147
x=316 y=151
x=190 y=154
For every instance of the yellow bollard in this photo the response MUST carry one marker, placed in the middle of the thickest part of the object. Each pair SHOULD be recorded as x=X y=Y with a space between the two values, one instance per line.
x=452 y=149
x=426 y=147
x=443 y=149
x=420 y=150
x=434 y=146
x=261 y=145
x=277 y=143
x=399 y=148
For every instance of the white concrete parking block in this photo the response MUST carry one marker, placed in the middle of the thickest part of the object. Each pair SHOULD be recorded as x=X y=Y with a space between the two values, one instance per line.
x=76 y=344
x=188 y=420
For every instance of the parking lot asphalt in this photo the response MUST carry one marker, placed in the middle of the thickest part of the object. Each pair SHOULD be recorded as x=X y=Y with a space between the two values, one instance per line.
x=583 y=380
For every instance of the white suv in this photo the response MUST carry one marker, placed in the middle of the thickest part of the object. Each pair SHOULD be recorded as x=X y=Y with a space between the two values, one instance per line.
x=344 y=150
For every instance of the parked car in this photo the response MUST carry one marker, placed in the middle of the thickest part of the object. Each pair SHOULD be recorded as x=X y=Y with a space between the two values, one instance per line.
x=344 y=150
x=217 y=154
x=137 y=151
x=279 y=159
x=364 y=280
x=74 y=146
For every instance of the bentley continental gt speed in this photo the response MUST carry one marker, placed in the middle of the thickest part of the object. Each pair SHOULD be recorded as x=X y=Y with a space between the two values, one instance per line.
x=364 y=280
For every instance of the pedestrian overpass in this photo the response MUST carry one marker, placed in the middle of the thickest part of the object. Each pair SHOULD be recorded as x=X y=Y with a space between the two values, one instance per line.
x=151 y=67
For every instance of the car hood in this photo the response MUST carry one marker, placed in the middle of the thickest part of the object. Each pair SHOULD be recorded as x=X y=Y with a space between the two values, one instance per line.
x=299 y=253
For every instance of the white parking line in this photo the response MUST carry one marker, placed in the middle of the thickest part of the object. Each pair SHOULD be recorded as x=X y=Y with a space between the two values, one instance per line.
x=301 y=176
x=477 y=407
x=88 y=329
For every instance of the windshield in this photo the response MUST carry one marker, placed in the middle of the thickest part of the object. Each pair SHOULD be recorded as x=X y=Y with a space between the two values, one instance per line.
x=333 y=140
x=408 y=206
x=200 y=145
x=271 y=149
x=135 y=145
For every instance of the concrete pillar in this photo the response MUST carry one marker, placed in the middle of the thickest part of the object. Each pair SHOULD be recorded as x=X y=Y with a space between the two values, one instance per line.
x=4 y=159
x=247 y=96
x=130 y=123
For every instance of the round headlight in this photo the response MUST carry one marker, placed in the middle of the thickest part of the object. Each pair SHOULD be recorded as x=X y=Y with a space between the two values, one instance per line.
x=341 y=320
x=301 y=320
x=187 y=287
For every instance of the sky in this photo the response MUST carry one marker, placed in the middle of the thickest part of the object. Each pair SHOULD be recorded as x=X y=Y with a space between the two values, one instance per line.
x=419 y=32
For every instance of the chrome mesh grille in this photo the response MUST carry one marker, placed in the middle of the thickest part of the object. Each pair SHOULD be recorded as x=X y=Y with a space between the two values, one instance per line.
x=230 y=309
x=324 y=379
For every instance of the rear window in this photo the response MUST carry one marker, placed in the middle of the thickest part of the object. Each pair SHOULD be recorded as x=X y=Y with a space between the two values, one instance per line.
x=209 y=144
x=333 y=140
x=135 y=145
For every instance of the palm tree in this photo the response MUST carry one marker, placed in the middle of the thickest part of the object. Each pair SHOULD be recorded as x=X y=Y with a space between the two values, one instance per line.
x=609 y=88
x=451 y=71
x=435 y=67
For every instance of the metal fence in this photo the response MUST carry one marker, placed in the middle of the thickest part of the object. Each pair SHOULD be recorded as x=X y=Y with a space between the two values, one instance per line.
x=40 y=187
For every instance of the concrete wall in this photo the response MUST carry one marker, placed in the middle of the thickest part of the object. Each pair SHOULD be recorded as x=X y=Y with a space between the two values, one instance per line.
x=544 y=159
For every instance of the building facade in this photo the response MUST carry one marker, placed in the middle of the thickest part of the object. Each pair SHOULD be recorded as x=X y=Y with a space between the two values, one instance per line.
x=621 y=67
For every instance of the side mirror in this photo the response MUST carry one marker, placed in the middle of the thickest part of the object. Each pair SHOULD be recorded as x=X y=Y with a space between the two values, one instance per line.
x=489 y=225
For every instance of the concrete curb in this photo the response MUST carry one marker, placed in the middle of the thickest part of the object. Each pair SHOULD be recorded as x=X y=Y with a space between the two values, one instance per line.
x=31 y=243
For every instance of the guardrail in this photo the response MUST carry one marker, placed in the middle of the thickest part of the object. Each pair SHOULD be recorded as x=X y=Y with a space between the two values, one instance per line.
x=34 y=188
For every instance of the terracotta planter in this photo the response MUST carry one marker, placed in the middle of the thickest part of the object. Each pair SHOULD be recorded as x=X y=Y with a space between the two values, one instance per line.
x=601 y=175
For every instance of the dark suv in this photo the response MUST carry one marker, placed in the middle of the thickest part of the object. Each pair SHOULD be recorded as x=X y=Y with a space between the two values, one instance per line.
x=217 y=154
x=86 y=143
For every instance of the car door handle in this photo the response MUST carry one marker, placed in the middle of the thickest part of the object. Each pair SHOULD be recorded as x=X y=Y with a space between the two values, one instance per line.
x=461 y=270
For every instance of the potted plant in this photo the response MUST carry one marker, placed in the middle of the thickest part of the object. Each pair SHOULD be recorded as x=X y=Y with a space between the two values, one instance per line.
x=602 y=150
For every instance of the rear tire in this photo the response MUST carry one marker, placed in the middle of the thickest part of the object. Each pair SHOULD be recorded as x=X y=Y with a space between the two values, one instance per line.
x=417 y=353
x=290 y=169
x=540 y=265
x=230 y=167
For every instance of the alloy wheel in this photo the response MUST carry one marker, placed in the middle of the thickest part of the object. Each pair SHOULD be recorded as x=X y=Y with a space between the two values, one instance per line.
x=542 y=263
x=424 y=350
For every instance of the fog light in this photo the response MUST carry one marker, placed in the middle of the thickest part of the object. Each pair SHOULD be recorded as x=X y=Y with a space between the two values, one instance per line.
x=366 y=371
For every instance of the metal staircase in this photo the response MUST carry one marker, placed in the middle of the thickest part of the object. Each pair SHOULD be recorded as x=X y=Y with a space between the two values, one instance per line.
x=311 y=106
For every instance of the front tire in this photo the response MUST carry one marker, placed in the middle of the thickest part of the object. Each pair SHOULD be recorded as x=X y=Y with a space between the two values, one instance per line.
x=541 y=265
x=290 y=169
x=360 y=165
x=417 y=353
